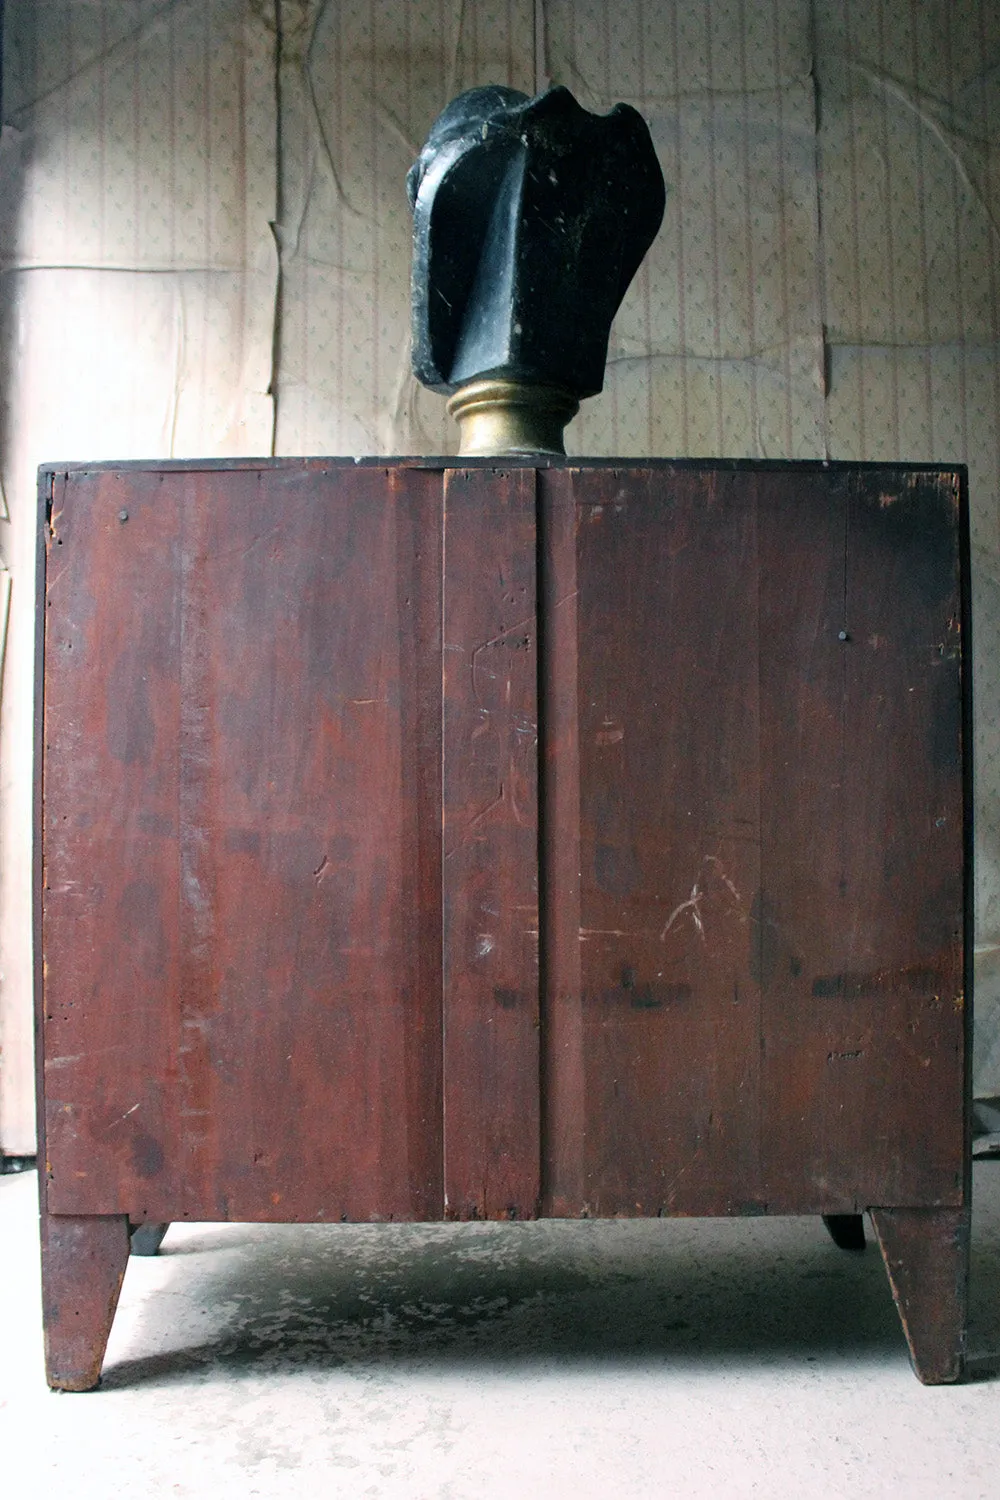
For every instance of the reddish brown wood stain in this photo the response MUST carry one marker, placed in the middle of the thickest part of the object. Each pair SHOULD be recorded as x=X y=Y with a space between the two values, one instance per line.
x=862 y=924
x=754 y=743
x=654 y=954
x=490 y=857
x=242 y=793
x=501 y=841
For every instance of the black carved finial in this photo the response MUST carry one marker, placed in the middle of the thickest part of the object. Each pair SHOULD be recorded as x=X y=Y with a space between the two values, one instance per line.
x=530 y=218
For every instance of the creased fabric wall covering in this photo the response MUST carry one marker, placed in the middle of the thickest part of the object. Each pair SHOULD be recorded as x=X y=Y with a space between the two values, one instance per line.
x=205 y=243
x=140 y=146
x=361 y=83
x=718 y=347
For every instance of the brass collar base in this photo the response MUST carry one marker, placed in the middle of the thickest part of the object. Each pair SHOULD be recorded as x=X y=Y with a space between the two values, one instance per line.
x=497 y=417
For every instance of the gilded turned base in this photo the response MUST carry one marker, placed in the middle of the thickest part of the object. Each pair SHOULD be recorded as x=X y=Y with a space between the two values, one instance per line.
x=505 y=416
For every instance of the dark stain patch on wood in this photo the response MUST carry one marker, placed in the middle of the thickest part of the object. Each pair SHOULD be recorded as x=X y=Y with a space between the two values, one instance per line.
x=917 y=979
x=644 y=995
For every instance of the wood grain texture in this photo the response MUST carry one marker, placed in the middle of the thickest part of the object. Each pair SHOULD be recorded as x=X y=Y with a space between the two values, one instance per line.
x=291 y=842
x=652 y=1007
x=926 y=1254
x=754 y=850
x=242 y=835
x=860 y=915
x=563 y=1035
x=83 y=1266
x=303 y=879
x=490 y=858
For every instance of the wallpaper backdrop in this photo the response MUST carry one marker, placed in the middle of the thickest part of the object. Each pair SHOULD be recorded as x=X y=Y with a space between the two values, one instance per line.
x=204 y=250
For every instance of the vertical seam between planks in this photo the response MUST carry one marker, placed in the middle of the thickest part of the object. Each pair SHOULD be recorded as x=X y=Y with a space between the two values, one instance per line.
x=541 y=819
x=968 y=817
x=178 y=1186
x=761 y=988
x=38 y=842
x=844 y=677
x=445 y=486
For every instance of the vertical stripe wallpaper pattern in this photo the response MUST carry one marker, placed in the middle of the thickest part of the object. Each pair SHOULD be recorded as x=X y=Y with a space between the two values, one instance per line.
x=204 y=249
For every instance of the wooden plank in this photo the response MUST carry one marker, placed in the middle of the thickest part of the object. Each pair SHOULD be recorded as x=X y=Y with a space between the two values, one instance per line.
x=861 y=924
x=490 y=889
x=652 y=1007
x=242 y=820
x=926 y=1254
x=564 y=1100
x=110 y=791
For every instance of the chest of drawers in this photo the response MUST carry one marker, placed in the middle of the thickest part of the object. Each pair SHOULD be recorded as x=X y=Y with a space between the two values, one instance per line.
x=419 y=841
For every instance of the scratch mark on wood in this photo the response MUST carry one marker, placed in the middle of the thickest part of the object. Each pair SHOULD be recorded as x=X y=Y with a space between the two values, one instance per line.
x=476 y=819
x=692 y=905
x=713 y=859
x=123 y=1117
x=495 y=640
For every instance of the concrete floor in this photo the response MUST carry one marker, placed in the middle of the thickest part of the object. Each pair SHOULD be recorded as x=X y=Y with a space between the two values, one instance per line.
x=663 y=1358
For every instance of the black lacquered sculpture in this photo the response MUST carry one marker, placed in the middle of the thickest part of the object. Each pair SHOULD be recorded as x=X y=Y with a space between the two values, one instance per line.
x=530 y=218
